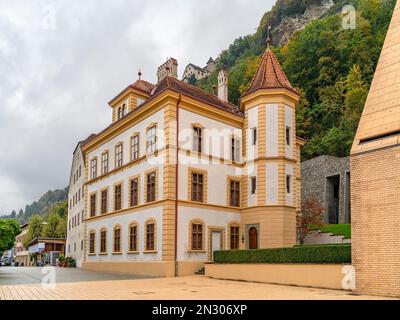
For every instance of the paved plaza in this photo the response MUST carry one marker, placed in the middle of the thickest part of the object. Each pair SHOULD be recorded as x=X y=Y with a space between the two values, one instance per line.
x=74 y=284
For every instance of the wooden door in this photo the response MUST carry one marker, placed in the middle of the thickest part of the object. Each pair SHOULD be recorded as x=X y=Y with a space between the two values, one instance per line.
x=253 y=238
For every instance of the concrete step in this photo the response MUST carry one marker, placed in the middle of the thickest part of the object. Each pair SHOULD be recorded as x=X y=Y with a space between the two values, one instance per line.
x=318 y=237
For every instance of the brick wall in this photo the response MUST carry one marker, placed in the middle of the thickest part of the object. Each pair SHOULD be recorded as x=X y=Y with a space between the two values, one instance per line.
x=375 y=199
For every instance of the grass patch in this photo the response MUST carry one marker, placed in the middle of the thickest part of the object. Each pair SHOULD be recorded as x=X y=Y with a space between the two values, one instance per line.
x=324 y=254
x=336 y=229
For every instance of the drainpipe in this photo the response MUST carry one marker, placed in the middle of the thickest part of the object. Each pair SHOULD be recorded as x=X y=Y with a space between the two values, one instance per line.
x=176 y=185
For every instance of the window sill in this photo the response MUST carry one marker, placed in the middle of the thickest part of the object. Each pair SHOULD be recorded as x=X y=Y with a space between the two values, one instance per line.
x=196 y=251
x=133 y=252
x=91 y=254
x=117 y=253
x=197 y=201
x=150 y=251
x=103 y=254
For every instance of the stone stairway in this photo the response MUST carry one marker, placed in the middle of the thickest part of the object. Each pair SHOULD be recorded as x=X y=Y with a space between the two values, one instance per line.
x=318 y=237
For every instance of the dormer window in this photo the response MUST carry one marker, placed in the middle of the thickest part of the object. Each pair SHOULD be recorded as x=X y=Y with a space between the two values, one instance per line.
x=121 y=112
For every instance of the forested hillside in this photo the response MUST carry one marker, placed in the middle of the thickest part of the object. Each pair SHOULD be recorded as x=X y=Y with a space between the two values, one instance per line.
x=42 y=207
x=331 y=66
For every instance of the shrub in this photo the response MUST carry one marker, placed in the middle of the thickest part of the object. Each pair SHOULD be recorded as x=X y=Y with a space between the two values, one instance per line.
x=299 y=254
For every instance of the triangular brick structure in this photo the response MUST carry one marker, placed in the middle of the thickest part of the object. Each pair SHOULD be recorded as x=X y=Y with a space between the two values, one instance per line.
x=380 y=121
x=375 y=177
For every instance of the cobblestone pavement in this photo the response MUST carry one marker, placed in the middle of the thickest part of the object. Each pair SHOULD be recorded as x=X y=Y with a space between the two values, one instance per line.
x=75 y=284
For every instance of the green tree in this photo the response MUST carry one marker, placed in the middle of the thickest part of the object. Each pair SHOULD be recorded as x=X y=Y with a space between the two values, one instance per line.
x=50 y=229
x=9 y=229
x=35 y=229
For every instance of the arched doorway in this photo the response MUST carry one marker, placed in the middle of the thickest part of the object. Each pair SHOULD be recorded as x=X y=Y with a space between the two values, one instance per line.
x=253 y=238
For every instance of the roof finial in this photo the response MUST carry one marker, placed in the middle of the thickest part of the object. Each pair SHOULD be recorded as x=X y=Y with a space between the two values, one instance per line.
x=139 y=74
x=268 y=37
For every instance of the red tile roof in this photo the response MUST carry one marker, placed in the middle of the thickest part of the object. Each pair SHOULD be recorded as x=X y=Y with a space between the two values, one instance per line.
x=195 y=93
x=179 y=87
x=269 y=75
x=143 y=86
x=140 y=85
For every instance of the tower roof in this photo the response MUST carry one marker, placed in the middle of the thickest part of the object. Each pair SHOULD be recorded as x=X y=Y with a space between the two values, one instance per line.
x=269 y=75
x=380 y=120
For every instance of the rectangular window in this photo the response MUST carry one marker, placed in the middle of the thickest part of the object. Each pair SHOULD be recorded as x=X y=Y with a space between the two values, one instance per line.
x=235 y=150
x=135 y=147
x=150 y=236
x=151 y=187
x=234 y=238
x=253 y=185
x=197 y=187
x=104 y=163
x=288 y=183
x=235 y=193
x=80 y=171
x=197 y=139
x=118 y=197
x=93 y=168
x=288 y=133
x=118 y=155
x=104 y=201
x=151 y=139
x=103 y=241
x=93 y=205
x=134 y=192
x=92 y=240
x=117 y=240
x=254 y=136
x=197 y=236
x=133 y=238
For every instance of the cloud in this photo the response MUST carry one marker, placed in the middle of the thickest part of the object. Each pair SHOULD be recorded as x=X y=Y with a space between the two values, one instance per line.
x=62 y=61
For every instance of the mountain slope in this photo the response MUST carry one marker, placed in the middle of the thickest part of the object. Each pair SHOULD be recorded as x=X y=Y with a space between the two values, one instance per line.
x=331 y=66
x=41 y=207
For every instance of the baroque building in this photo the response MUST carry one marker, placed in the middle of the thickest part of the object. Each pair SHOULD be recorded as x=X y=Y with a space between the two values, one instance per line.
x=375 y=168
x=180 y=173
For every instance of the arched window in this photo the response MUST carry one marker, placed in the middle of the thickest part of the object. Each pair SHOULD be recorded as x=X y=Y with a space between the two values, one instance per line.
x=103 y=240
x=119 y=116
x=133 y=237
x=117 y=239
x=124 y=110
x=196 y=235
x=150 y=231
x=92 y=242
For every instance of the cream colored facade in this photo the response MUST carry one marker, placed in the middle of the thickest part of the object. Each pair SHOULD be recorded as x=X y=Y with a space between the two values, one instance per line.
x=75 y=228
x=375 y=168
x=227 y=159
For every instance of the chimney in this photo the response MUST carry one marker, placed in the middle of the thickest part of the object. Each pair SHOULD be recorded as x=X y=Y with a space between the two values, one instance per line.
x=223 y=85
x=168 y=68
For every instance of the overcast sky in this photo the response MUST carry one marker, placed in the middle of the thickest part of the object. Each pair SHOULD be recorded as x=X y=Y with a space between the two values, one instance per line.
x=62 y=61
